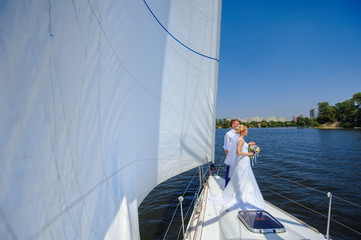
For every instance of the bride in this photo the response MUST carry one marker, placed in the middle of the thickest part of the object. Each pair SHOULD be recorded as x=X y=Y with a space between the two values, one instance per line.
x=242 y=191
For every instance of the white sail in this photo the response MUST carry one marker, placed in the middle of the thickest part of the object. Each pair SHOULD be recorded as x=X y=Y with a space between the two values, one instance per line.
x=100 y=101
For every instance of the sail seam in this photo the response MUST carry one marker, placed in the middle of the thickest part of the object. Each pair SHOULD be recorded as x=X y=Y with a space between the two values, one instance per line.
x=165 y=29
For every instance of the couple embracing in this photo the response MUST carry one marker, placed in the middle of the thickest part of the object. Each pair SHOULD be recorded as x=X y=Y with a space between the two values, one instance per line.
x=241 y=191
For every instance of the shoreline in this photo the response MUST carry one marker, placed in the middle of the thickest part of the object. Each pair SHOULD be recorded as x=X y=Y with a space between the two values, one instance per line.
x=326 y=128
x=338 y=128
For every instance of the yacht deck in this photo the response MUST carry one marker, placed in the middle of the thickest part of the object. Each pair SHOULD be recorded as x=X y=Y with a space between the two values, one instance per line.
x=212 y=222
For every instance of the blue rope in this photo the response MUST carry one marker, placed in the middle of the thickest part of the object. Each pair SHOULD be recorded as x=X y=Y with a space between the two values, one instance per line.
x=175 y=37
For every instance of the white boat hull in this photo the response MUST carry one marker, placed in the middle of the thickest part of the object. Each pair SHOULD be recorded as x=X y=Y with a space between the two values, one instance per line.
x=212 y=222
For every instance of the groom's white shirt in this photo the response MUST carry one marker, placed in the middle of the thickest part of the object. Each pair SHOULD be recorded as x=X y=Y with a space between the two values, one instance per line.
x=228 y=139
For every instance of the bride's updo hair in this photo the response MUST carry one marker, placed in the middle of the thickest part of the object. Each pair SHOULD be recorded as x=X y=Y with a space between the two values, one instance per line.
x=241 y=129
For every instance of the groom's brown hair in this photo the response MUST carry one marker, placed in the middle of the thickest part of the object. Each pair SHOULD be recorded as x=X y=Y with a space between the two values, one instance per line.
x=233 y=120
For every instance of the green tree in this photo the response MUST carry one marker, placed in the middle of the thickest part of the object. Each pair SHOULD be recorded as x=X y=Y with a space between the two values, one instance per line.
x=301 y=121
x=222 y=123
x=356 y=98
x=291 y=124
x=219 y=123
x=314 y=123
x=272 y=124
x=254 y=124
x=264 y=124
x=308 y=122
x=226 y=123
x=345 y=113
x=326 y=113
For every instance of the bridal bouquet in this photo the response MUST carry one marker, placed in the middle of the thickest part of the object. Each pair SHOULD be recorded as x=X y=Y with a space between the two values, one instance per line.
x=256 y=150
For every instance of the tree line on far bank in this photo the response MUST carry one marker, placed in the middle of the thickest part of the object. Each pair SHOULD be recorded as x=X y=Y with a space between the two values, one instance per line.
x=224 y=123
x=347 y=113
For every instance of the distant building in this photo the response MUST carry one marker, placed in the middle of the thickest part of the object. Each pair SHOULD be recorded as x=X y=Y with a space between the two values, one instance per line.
x=271 y=119
x=295 y=118
x=282 y=119
x=313 y=113
x=260 y=119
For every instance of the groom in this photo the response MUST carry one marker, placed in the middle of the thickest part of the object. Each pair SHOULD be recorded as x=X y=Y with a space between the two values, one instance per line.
x=227 y=142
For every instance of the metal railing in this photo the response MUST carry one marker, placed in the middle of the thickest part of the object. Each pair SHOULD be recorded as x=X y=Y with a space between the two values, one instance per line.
x=202 y=181
x=328 y=194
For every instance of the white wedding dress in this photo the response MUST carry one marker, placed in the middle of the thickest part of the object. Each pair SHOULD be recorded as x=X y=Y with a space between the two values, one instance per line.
x=242 y=191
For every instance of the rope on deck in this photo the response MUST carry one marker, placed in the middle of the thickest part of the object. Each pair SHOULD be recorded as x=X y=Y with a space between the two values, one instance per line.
x=205 y=206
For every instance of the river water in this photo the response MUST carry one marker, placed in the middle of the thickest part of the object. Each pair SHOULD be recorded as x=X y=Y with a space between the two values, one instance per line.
x=295 y=170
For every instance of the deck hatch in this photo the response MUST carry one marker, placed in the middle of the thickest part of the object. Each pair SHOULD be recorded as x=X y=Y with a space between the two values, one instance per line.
x=260 y=222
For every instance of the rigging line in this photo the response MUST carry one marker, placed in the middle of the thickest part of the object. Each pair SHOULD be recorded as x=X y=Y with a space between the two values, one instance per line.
x=294 y=182
x=192 y=200
x=195 y=207
x=175 y=37
x=191 y=204
x=219 y=165
x=295 y=202
x=189 y=184
x=207 y=162
x=343 y=225
x=314 y=189
x=198 y=190
x=185 y=217
x=346 y=201
x=170 y=223
x=312 y=210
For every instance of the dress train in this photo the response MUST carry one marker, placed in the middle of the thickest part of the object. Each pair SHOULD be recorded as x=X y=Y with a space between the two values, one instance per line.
x=242 y=191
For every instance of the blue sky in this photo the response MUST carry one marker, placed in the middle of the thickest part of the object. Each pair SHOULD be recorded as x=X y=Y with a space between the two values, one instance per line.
x=279 y=58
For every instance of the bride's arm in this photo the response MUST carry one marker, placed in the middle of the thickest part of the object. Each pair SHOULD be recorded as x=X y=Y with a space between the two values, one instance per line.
x=239 y=149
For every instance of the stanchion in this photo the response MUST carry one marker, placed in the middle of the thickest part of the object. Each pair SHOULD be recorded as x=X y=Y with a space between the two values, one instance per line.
x=180 y=198
x=329 y=216
x=200 y=176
